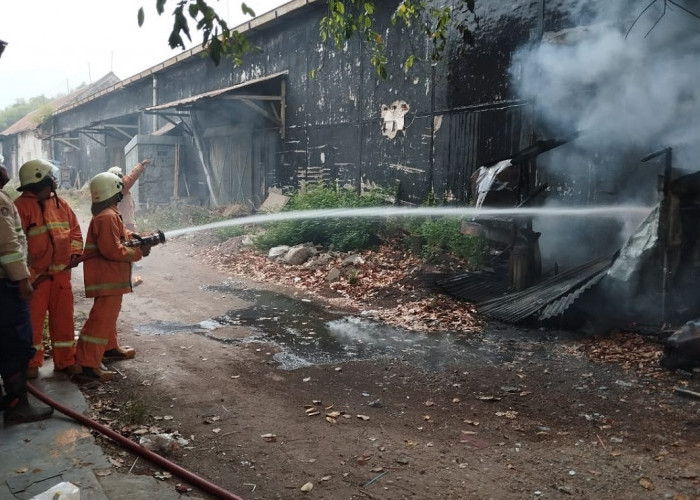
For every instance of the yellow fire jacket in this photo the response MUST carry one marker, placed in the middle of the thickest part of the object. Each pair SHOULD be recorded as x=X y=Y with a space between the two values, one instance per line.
x=13 y=244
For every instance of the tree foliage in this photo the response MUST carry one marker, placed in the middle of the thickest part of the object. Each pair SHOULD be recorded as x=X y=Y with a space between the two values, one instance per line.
x=20 y=108
x=348 y=18
x=344 y=20
x=218 y=39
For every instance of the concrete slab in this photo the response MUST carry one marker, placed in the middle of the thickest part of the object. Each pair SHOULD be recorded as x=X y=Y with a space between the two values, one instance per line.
x=37 y=456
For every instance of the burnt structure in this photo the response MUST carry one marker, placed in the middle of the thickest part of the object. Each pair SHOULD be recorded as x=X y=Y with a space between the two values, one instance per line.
x=537 y=70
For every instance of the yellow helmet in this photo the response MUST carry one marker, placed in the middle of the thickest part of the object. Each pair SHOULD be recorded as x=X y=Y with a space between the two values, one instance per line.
x=35 y=171
x=116 y=171
x=105 y=185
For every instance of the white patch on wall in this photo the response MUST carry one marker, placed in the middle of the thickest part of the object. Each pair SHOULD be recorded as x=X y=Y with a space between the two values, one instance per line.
x=393 y=118
x=437 y=123
x=323 y=157
x=406 y=168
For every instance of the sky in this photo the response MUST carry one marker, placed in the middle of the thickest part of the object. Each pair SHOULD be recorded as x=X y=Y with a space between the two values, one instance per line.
x=54 y=46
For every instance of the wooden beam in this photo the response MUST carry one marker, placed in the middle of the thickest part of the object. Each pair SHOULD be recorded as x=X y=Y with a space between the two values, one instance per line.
x=87 y=134
x=283 y=106
x=67 y=142
x=253 y=97
x=119 y=128
x=262 y=111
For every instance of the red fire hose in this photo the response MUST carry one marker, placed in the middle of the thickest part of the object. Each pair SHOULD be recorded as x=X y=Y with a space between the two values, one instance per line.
x=141 y=451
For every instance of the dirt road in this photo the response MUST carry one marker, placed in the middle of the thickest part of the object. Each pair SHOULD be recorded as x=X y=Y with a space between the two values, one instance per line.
x=519 y=414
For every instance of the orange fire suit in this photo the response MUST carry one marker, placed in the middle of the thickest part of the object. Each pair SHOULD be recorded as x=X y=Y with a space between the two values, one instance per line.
x=127 y=207
x=53 y=238
x=107 y=278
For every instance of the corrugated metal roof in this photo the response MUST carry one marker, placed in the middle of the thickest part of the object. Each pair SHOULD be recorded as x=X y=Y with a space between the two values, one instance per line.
x=214 y=93
x=255 y=23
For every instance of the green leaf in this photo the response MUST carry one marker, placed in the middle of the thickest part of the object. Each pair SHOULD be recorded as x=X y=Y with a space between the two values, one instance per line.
x=140 y=17
x=247 y=10
x=175 y=40
x=160 y=6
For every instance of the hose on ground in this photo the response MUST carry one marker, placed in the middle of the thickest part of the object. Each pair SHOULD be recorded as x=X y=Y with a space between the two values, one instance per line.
x=136 y=448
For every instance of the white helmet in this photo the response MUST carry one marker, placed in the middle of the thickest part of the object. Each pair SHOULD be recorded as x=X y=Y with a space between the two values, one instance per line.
x=105 y=185
x=116 y=171
x=35 y=171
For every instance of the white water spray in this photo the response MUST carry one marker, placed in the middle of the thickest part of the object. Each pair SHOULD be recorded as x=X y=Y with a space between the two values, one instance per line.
x=613 y=211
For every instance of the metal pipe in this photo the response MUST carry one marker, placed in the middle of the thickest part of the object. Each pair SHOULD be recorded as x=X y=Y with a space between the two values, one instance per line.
x=141 y=451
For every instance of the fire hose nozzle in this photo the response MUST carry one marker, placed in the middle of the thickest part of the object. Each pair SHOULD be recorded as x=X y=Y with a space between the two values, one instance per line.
x=155 y=238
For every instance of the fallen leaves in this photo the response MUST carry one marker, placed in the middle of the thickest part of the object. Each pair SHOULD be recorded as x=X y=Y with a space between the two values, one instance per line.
x=385 y=285
x=631 y=351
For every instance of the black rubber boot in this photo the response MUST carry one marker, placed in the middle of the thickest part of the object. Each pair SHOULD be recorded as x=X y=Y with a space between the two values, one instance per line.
x=18 y=410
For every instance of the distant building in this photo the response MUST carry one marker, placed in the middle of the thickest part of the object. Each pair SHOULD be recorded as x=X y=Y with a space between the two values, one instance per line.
x=25 y=139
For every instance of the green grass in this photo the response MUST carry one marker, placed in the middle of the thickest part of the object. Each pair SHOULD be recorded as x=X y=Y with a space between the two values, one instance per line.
x=342 y=234
x=134 y=411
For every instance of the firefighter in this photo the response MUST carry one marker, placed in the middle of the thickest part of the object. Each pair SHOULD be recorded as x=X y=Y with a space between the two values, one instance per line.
x=127 y=207
x=107 y=277
x=55 y=242
x=16 y=291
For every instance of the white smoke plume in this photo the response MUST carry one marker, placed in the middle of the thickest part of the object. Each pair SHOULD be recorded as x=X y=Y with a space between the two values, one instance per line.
x=625 y=90
x=630 y=83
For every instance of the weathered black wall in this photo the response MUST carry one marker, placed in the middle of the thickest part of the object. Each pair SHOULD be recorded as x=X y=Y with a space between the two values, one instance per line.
x=463 y=111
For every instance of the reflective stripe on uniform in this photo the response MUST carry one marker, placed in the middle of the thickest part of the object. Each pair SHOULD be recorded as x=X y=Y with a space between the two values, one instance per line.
x=49 y=226
x=92 y=340
x=63 y=343
x=108 y=286
x=9 y=258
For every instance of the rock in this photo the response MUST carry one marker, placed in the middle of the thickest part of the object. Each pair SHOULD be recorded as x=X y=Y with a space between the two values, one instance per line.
x=333 y=275
x=276 y=252
x=353 y=259
x=299 y=254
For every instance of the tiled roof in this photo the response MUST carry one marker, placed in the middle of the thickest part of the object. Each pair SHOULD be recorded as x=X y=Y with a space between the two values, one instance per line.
x=29 y=122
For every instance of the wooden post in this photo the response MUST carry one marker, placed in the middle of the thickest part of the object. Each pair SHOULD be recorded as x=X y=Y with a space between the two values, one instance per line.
x=176 y=174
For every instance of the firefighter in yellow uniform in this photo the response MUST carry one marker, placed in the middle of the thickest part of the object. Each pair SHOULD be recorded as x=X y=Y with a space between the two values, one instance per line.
x=15 y=329
x=55 y=242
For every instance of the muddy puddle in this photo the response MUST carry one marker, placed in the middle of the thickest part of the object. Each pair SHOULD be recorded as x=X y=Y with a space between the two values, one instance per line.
x=308 y=334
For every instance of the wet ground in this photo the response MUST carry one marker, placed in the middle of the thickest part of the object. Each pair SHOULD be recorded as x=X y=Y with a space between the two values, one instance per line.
x=274 y=391
x=309 y=334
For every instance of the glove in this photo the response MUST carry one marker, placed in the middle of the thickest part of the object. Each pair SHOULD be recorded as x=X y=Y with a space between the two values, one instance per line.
x=145 y=250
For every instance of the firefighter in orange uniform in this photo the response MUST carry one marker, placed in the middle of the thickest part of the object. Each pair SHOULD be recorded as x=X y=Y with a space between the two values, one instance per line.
x=55 y=242
x=107 y=277
x=127 y=207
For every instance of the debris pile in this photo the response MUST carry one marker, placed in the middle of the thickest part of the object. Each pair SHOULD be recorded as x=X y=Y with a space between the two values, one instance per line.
x=631 y=351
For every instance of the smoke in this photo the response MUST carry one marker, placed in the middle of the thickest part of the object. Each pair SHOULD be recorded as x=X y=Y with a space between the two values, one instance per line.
x=623 y=91
x=632 y=87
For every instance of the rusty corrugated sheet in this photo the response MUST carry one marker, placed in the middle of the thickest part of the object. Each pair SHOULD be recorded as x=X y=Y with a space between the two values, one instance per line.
x=518 y=306
x=474 y=286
